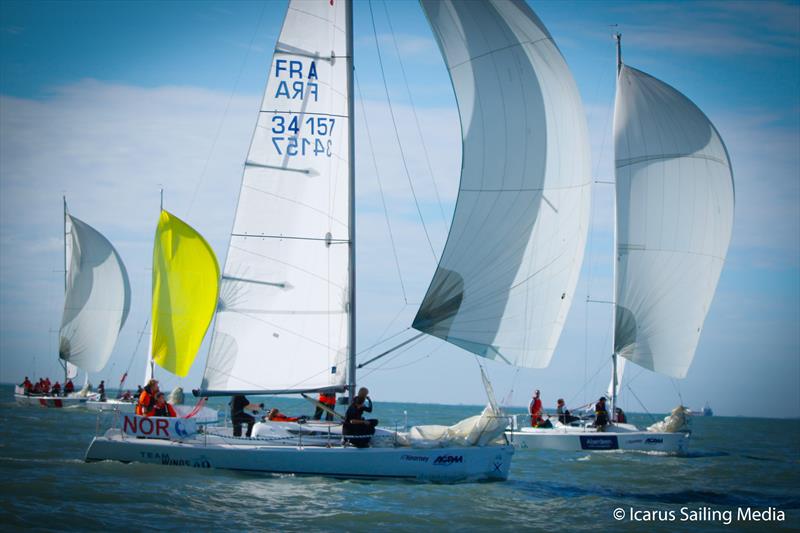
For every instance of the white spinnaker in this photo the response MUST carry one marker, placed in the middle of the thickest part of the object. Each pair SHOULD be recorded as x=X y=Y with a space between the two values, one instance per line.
x=675 y=201
x=97 y=300
x=508 y=272
x=283 y=313
x=72 y=371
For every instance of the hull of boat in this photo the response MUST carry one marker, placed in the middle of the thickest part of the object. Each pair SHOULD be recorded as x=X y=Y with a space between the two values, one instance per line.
x=49 y=401
x=111 y=405
x=205 y=415
x=574 y=441
x=450 y=464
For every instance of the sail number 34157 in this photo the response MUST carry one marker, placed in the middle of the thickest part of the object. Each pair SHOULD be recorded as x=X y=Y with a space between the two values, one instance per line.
x=287 y=133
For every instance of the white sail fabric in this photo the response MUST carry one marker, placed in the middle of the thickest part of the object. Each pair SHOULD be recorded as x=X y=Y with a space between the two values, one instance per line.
x=97 y=301
x=71 y=371
x=283 y=312
x=620 y=373
x=508 y=272
x=675 y=201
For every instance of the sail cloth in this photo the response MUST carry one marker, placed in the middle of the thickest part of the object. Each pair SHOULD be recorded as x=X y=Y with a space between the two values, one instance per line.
x=97 y=299
x=185 y=287
x=282 y=321
x=508 y=271
x=675 y=202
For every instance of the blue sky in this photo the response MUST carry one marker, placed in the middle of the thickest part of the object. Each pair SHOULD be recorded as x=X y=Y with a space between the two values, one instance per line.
x=108 y=101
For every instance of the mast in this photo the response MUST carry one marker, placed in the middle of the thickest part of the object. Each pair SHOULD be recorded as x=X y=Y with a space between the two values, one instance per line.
x=614 y=384
x=351 y=219
x=64 y=199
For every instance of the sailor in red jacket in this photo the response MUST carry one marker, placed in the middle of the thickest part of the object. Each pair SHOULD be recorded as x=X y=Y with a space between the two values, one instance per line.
x=276 y=416
x=161 y=407
x=328 y=399
x=535 y=409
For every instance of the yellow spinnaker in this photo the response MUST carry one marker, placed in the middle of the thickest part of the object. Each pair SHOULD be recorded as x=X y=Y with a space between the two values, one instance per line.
x=185 y=287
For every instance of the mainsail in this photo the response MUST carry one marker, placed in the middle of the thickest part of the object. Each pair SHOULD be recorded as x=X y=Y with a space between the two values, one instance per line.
x=282 y=321
x=185 y=286
x=98 y=298
x=508 y=271
x=675 y=201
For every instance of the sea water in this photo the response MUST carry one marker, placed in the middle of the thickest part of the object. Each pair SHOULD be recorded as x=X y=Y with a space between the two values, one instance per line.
x=745 y=468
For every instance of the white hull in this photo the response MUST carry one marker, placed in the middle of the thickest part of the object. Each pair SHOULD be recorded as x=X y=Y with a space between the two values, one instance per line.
x=206 y=415
x=622 y=437
x=450 y=464
x=49 y=401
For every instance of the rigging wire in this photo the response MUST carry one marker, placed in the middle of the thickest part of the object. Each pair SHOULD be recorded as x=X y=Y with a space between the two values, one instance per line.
x=414 y=111
x=225 y=112
x=397 y=135
x=380 y=188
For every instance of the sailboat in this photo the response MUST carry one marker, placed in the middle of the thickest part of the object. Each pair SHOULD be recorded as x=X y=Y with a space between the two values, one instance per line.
x=96 y=305
x=285 y=321
x=184 y=296
x=674 y=218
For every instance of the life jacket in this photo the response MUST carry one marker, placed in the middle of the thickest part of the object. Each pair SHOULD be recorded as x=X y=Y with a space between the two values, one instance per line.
x=327 y=399
x=146 y=402
x=167 y=410
x=280 y=417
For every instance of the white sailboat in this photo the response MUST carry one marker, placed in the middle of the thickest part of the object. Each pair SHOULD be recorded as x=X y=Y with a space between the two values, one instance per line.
x=674 y=217
x=97 y=302
x=285 y=323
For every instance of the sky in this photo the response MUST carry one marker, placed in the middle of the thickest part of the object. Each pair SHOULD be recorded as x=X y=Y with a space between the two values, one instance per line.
x=108 y=102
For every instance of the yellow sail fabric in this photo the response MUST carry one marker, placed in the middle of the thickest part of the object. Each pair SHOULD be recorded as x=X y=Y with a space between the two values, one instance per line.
x=185 y=287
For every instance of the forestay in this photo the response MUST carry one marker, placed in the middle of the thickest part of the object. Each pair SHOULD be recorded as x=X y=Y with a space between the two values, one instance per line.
x=508 y=271
x=675 y=203
x=283 y=311
x=97 y=301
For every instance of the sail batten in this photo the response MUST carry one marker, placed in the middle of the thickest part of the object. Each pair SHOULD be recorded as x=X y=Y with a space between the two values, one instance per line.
x=97 y=300
x=675 y=201
x=508 y=272
x=282 y=317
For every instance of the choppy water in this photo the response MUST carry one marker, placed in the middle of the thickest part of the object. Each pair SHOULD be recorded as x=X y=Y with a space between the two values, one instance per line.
x=734 y=463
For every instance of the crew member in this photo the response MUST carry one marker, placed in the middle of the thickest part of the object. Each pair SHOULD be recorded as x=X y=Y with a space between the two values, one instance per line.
x=147 y=398
x=27 y=385
x=619 y=416
x=564 y=416
x=102 y=390
x=276 y=416
x=69 y=387
x=161 y=407
x=57 y=389
x=355 y=427
x=600 y=413
x=329 y=401
x=240 y=404
x=535 y=409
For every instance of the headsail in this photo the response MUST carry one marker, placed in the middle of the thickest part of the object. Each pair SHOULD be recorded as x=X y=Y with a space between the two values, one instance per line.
x=282 y=324
x=509 y=269
x=98 y=298
x=675 y=202
x=185 y=287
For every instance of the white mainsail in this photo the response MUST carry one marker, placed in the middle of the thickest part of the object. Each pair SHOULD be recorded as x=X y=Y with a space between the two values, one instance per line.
x=98 y=298
x=675 y=201
x=508 y=272
x=282 y=320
